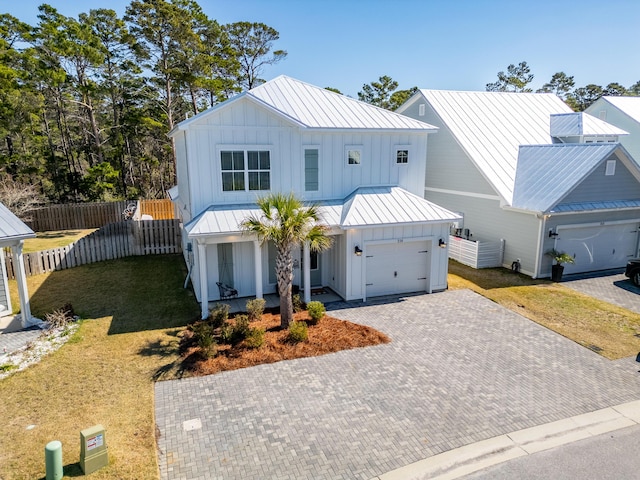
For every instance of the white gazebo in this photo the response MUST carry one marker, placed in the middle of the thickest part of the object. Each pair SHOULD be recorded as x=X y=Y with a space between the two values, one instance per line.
x=13 y=232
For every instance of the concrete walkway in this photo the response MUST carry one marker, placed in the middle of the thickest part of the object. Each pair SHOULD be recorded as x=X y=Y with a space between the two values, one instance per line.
x=460 y=370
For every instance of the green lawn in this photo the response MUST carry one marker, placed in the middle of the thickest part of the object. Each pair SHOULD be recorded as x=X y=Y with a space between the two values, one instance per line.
x=133 y=310
x=608 y=329
x=54 y=239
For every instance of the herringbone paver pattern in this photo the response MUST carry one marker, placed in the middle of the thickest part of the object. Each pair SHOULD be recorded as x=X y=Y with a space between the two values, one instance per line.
x=459 y=369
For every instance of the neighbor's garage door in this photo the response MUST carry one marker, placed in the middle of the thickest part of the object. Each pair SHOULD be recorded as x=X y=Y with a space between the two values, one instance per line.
x=397 y=268
x=598 y=248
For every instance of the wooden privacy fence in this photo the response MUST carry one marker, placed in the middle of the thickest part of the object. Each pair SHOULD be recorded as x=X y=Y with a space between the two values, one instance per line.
x=158 y=209
x=476 y=254
x=115 y=240
x=95 y=215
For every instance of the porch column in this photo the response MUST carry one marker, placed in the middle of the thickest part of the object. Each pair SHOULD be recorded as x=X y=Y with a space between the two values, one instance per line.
x=258 y=267
x=204 y=284
x=21 y=279
x=307 y=272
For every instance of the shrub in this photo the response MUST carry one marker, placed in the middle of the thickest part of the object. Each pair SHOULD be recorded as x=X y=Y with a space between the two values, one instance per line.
x=219 y=315
x=255 y=308
x=297 y=303
x=298 y=332
x=316 y=311
x=255 y=338
x=203 y=335
x=234 y=333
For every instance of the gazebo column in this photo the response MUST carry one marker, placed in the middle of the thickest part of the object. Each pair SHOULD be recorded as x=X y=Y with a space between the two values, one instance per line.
x=204 y=284
x=307 y=272
x=21 y=279
x=258 y=268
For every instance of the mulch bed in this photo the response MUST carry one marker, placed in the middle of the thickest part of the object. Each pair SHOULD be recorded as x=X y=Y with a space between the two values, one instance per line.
x=328 y=335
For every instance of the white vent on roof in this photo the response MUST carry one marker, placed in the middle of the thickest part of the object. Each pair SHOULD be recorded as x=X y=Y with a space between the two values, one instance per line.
x=611 y=168
x=602 y=114
x=421 y=110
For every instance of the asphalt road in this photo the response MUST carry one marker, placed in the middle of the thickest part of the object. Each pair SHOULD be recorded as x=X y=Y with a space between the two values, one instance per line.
x=611 y=456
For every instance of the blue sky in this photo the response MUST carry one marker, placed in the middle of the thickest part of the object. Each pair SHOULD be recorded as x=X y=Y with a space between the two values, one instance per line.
x=440 y=44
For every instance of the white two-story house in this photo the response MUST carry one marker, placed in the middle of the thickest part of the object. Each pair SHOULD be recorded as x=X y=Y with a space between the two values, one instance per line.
x=363 y=165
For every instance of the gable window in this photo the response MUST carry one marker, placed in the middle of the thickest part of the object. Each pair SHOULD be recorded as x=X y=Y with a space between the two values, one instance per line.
x=354 y=156
x=610 y=168
x=311 y=170
x=402 y=156
x=245 y=170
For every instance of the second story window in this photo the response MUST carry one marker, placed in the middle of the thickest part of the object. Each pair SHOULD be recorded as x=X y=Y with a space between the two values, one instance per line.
x=245 y=170
x=354 y=156
x=402 y=156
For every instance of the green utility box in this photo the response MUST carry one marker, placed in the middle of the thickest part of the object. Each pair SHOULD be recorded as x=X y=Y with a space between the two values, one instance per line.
x=93 y=449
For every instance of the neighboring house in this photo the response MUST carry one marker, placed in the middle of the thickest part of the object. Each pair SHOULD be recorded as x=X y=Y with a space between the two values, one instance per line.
x=623 y=112
x=523 y=168
x=13 y=233
x=363 y=165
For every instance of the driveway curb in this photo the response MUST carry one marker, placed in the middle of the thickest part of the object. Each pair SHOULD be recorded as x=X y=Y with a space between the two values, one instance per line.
x=478 y=456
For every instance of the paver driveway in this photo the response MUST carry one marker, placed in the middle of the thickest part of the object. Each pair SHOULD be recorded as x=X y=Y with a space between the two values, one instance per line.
x=460 y=369
x=612 y=287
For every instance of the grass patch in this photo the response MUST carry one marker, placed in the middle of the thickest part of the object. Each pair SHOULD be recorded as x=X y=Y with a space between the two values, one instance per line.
x=133 y=310
x=581 y=318
x=327 y=336
x=54 y=239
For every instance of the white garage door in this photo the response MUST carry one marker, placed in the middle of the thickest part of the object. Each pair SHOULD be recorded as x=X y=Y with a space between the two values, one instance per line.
x=598 y=247
x=397 y=268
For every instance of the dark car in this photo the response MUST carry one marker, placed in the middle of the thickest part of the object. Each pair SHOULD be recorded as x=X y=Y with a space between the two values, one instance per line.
x=633 y=271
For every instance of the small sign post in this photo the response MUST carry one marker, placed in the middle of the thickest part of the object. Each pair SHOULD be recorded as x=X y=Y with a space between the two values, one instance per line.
x=93 y=449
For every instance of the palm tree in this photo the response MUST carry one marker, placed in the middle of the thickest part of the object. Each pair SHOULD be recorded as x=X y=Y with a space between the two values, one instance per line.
x=284 y=220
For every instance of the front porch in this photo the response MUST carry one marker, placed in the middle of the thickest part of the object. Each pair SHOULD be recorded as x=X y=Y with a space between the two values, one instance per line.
x=236 y=305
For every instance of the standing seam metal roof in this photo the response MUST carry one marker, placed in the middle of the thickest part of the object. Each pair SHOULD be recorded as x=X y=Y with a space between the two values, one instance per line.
x=546 y=173
x=316 y=107
x=491 y=126
x=365 y=207
x=628 y=105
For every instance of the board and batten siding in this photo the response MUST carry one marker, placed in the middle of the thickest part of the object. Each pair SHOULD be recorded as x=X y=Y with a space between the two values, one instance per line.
x=448 y=165
x=245 y=125
x=601 y=108
x=620 y=186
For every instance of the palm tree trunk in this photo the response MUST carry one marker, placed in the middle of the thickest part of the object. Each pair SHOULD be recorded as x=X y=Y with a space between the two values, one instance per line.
x=284 y=269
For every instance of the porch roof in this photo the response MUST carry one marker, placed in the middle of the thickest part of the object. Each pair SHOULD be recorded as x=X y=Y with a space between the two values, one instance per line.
x=12 y=229
x=365 y=207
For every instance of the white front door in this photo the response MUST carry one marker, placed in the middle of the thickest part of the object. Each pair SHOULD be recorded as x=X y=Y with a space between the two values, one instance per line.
x=599 y=247
x=393 y=268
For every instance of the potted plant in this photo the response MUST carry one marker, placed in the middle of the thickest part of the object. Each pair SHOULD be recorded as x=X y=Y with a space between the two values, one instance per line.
x=558 y=267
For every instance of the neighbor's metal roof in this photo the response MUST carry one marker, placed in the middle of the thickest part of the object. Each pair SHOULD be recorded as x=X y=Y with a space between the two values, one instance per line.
x=579 y=124
x=379 y=206
x=546 y=173
x=12 y=229
x=491 y=126
x=629 y=105
x=365 y=207
x=318 y=108
x=593 y=206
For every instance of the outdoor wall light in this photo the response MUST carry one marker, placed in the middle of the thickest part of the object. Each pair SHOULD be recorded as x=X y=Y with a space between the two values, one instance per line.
x=358 y=251
x=442 y=243
x=553 y=234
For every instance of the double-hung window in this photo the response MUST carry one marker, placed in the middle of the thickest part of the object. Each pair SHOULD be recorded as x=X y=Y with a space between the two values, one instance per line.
x=245 y=170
